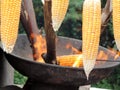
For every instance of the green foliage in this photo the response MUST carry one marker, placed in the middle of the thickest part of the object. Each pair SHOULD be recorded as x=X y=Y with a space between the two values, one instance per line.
x=38 y=7
x=72 y=23
x=111 y=82
x=19 y=79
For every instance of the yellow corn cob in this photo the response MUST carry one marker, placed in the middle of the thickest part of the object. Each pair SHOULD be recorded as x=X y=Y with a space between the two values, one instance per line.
x=59 y=9
x=90 y=33
x=70 y=60
x=78 y=61
x=116 y=21
x=10 y=13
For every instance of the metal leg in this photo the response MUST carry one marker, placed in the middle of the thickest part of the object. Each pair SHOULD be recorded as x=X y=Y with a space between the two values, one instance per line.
x=11 y=87
x=87 y=87
x=6 y=71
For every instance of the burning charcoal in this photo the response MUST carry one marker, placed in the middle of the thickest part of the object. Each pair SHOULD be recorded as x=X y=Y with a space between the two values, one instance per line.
x=10 y=13
x=91 y=33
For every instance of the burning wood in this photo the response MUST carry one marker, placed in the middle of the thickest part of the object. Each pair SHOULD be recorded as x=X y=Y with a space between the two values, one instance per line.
x=39 y=46
x=29 y=23
x=50 y=34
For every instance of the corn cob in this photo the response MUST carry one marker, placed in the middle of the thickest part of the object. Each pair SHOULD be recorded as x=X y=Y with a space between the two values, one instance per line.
x=10 y=13
x=90 y=33
x=78 y=62
x=116 y=21
x=59 y=9
x=70 y=60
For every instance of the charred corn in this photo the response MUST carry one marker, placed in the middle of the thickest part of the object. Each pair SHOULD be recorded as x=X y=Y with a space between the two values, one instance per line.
x=116 y=21
x=90 y=33
x=59 y=9
x=10 y=13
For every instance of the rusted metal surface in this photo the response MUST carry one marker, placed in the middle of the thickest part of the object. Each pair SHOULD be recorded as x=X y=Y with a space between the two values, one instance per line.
x=54 y=74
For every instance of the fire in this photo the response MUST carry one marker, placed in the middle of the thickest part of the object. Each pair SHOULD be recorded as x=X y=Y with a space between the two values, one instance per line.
x=78 y=62
x=114 y=51
x=74 y=60
x=70 y=60
x=75 y=50
x=102 y=56
x=40 y=47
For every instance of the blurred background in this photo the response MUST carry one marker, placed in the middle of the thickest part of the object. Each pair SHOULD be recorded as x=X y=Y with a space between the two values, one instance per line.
x=71 y=27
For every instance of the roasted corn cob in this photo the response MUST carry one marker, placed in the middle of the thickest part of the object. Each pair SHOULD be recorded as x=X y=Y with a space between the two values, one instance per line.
x=10 y=13
x=71 y=60
x=116 y=21
x=90 y=33
x=59 y=9
x=79 y=61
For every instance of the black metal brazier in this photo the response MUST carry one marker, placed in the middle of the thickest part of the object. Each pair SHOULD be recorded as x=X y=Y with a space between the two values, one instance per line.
x=54 y=77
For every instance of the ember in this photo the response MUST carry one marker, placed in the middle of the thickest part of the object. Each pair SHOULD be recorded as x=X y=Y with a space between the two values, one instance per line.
x=75 y=50
x=40 y=47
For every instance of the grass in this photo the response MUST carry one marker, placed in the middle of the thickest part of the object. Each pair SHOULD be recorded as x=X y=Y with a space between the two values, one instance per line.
x=19 y=79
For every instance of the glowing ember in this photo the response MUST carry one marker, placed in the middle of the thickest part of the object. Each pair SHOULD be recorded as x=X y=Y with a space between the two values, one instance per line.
x=40 y=47
x=75 y=50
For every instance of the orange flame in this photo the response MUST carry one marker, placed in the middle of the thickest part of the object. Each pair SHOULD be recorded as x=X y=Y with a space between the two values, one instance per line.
x=76 y=60
x=114 y=51
x=68 y=60
x=39 y=46
x=75 y=50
